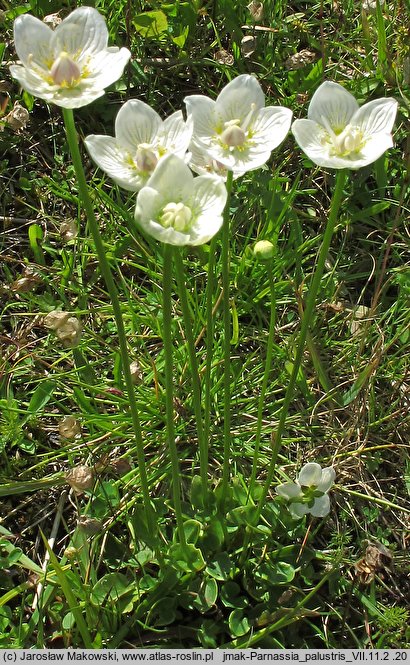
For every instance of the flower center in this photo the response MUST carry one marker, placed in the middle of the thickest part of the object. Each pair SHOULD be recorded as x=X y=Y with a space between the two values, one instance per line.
x=350 y=140
x=233 y=135
x=64 y=71
x=175 y=215
x=146 y=159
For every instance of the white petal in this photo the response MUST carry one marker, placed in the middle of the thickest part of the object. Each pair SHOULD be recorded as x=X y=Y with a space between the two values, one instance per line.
x=298 y=510
x=149 y=204
x=33 y=83
x=208 y=202
x=108 y=66
x=236 y=99
x=202 y=111
x=32 y=41
x=334 y=103
x=311 y=137
x=327 y=479
x=310 y=474
x=289 y=490
x=173 y=178
x=111 y=158
x=72 y=98
x=136 y=123
x=373 y=149
x=271 y=126
x=169 y=235
x=321 y=507
x=83 y=32
x=376 y=117
x=175 y=134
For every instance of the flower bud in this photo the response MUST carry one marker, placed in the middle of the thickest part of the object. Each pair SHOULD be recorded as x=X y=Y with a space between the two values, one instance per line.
x=80 y=478
x=69 y=427
x=264 y=250
x=68 y=230
x=70 y=332
x=256 y=10
x=136 y=373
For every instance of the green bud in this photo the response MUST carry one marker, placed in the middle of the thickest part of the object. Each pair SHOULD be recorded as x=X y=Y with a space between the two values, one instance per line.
x=264 y=250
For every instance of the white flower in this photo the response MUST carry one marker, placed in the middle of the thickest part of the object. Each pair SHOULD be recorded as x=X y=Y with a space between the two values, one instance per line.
x=237 y=130
x=177 y=208
x=309 y=493
x=71 y=65
x=338 y=134
x=141 y=139
x=202 y=163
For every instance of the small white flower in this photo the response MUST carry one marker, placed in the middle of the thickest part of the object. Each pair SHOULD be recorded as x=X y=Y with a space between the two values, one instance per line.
x=178 y=209
x=338 y=134
x=309 y=493
x=141 y=139
x=71 y=65
x=237 y=130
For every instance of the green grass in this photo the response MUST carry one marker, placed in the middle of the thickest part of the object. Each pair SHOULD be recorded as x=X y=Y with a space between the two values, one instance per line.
x=300 y=583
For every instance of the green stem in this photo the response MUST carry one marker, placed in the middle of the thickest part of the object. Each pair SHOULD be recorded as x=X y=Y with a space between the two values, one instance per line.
x=306 y=322
x=227 y=343
x=268 y=367
x=169 y=389
x=112 y=291
x=209 y=341
x=196 y=385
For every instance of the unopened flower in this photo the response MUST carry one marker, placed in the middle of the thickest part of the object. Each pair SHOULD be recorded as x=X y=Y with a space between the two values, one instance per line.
x=371 y=5
x=177 y=208
x=68 y=230
x=69 y=427
x=248 y=46
x=338 y=134
x=309 y=494
x=136 y=372
x=67 y=327
x=141 y=139
x=237 y=130
x=256 y=10
x=80 y=478
x=70 y=66
x=264 y=250
x=18 y=117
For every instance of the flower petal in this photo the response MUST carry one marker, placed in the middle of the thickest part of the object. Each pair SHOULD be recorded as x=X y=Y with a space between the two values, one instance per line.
x=327 y=479
x=172 y=178
x=376 y=117
x=334 y=103
x=108 y=66
x=202 y=111
x=236 y=99
x=82 y=33
x=312 y=139
x=136 y=123
x=31 y=82
x=289 y=490
x=209 y=195
x=321 y=506
x=271 y=126
x=114 y=160
x=32 y=41
x=298 y=510
x=175 y=134
x=310 y=475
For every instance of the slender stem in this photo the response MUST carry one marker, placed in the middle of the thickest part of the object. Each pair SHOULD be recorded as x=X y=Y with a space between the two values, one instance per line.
x=196 y=385
x=227 y=342
x=209 y=341
x=112 y=291
x=169 y=389
x=306 y=321
x=268 y=367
